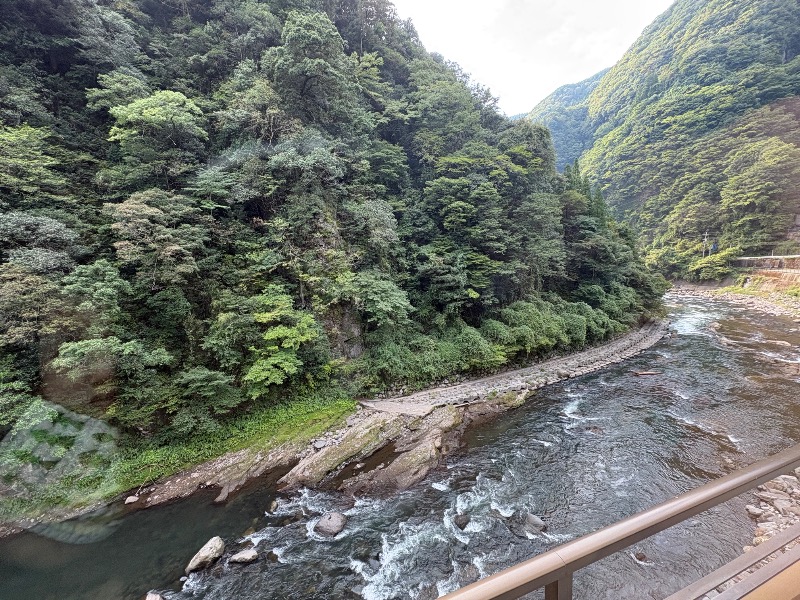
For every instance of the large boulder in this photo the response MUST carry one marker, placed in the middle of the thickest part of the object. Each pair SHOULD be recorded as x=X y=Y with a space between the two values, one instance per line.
x=154 y=596
x=206 y=555
x=330 y=524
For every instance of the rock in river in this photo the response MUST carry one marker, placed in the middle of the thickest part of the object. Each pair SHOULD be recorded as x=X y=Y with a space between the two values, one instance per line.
x=534 y=523
x=331 y=524
x=524 y=523
x=245 y=556
x=461 y=521
x=206 y=555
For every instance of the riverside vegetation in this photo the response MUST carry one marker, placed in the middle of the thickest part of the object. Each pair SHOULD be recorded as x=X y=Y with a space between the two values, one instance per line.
x=695 y=132
x=223 y=220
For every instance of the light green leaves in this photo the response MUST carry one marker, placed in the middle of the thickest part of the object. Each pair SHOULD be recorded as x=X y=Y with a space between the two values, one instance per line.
x=27 y=161
x=289 y=329
x=168 y=116
x=162 y=138
x=118 y=88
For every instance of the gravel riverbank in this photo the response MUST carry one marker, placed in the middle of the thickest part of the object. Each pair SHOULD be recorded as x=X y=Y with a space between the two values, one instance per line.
x=772 y=303
x=777 y=508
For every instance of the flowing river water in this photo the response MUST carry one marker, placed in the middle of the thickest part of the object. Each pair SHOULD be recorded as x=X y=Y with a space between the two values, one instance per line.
x=582 y=454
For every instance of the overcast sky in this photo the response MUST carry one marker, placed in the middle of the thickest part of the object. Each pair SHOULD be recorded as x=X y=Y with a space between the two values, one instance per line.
x=524 y=49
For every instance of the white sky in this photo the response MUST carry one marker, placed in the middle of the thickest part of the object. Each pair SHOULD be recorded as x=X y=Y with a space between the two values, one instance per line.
x=524 y=49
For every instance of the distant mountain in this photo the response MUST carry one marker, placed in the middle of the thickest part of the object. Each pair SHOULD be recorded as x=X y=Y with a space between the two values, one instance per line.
x=697 y=129
x=565 y=113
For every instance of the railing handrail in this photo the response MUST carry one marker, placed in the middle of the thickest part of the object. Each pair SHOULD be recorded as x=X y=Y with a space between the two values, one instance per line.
x=560 y=562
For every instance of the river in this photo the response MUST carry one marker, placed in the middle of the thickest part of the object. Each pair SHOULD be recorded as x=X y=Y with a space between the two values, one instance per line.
x=582 y=454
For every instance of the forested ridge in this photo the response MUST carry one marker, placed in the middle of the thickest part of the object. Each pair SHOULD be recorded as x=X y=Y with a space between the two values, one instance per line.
x=212 y=210
x=695 y=131
x=565 y=113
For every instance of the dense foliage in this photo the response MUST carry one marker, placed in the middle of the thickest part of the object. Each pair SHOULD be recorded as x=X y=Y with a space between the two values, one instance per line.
x=209 y=207
x=696 y=130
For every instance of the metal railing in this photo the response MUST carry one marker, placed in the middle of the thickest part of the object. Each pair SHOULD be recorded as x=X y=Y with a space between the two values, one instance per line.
x=553 y=570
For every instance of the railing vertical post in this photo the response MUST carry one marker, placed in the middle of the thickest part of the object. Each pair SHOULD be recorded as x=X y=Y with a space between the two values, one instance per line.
x=560 y=589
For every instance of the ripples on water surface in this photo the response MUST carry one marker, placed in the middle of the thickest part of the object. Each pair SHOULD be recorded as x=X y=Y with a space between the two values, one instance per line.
x=581 y=455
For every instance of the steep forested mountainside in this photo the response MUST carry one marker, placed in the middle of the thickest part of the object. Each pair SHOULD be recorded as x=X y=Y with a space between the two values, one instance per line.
x=217 y=205
x=565 y=113
x=696 y=131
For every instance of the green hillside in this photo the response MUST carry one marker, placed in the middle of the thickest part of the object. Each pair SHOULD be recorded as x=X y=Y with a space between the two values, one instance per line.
x=213 y=209
x=696 y=130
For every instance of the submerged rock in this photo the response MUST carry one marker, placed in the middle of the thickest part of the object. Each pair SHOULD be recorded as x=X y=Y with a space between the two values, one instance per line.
x=331 y=524
x=296 y=516
x=535 y=523
x=245 y=556
x=524 y=523
x=461 y=521
x=206 y=555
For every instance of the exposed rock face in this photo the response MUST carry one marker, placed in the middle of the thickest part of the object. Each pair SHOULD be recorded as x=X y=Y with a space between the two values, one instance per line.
x=331 y=524
x=376 y=430
x=425 y=426
x=206 y=555
x=419 y=448
x=245 y=556
x=229 y=472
